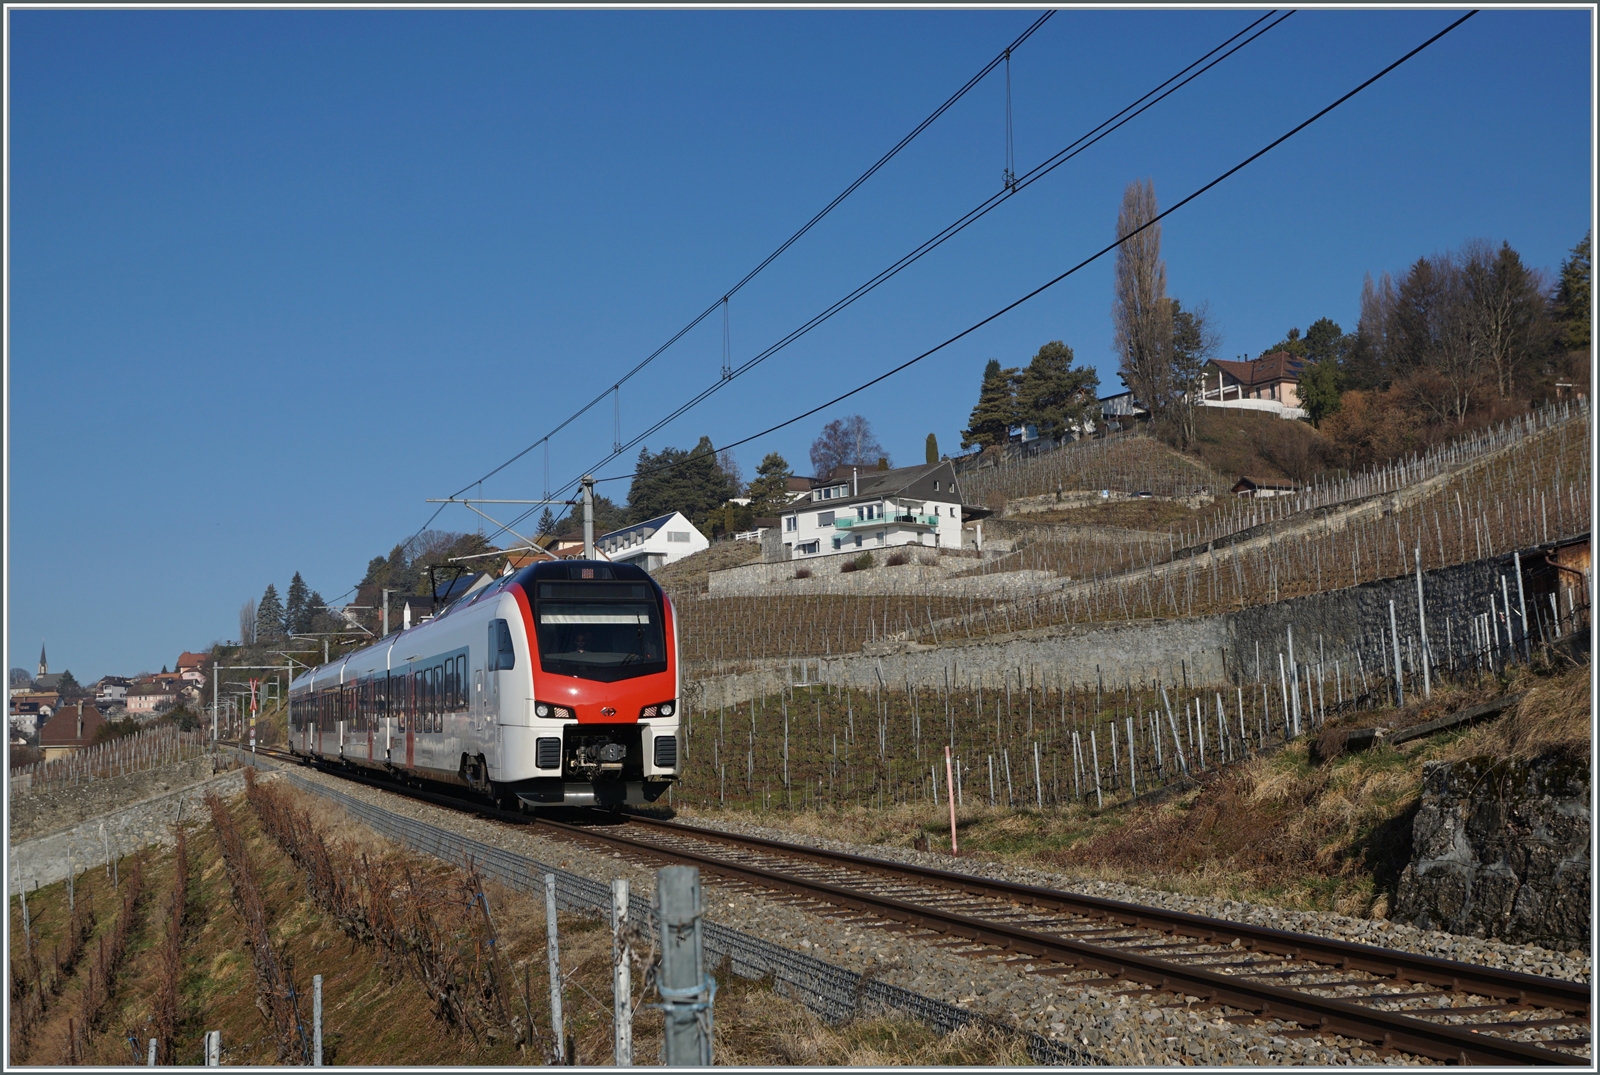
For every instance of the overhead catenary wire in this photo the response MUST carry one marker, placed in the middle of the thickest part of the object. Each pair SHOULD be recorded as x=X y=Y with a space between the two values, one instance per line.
x=1097 y=254
x=967 y=87
x=1101 y=130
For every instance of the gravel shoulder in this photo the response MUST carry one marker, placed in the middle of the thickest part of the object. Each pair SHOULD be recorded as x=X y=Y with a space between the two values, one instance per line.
x=1529 y=959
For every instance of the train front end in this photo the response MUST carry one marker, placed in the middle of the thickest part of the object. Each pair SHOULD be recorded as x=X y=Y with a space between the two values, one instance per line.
x=599 y=721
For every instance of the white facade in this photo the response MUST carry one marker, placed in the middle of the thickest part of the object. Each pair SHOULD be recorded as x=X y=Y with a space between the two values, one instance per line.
x=653 y=543
x=877 y=510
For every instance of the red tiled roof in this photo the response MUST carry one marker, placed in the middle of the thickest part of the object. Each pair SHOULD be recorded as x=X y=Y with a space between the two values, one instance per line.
x=1270 y=369
x=62 y=729
x=192 y=660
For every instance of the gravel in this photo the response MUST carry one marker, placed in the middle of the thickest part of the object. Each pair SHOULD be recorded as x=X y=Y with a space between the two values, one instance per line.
x=1122 y=1030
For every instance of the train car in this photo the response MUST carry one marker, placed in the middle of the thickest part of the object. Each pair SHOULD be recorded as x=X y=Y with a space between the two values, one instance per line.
x=555 y=685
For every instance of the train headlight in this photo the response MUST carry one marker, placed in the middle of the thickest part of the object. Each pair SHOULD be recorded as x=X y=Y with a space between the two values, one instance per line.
x=541 y=710
x=660 y=709
x=547 y=710
x=667 y=709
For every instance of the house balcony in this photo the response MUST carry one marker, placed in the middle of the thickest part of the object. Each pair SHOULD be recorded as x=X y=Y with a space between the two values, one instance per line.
x=929 y=521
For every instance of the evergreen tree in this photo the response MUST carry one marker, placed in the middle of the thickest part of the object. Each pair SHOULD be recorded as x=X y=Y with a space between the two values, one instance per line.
x=1570 y=304
x=1291 y=343
x=297 y=612
x=931 y=452
x=1053 y=396
x=269 y=615
x=1326 y=340
x=1320 y=388
x=1194 y=343
x=677 y=480
x=547 y=523
x=996 y=412
x=769 y=490
x=70 y=689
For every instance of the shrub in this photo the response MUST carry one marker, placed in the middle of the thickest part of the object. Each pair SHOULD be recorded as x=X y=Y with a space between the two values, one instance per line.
x=896 y=559
x=850 y=565
x=802 y=572
x=860 y=563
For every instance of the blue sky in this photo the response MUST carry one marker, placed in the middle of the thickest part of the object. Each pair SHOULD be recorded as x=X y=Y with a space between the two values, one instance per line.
x=276 y=277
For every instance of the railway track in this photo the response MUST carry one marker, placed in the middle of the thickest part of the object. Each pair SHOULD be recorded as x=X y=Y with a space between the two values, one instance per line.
x=1394 y=1001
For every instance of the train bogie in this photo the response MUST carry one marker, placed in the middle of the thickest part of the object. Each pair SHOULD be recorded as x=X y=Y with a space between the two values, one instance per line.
x=555 y=685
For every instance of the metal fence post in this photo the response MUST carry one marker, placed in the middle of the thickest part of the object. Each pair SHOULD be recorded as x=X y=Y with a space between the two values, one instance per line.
x=151 y=1062
x=555 y=967
x=686 y=990
x=621 y=975
x=316 y=1020
x=213 y=1048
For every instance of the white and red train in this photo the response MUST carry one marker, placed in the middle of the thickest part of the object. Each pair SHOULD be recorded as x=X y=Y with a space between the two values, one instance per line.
x=555 y=685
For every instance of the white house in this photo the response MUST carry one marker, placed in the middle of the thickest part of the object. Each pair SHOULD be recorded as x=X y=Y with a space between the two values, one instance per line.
x=654 y=542
x=873 y=509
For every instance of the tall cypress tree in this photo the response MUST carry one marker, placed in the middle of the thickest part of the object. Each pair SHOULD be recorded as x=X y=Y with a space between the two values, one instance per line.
x=931 y=451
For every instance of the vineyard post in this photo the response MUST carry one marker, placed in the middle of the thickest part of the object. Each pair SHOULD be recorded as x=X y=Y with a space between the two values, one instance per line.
x=316 y=1020
x=621 y=976
x=554 y=952
x=950 y=789
x=1394 y=637
x=1094 y=749
x=1422 y=626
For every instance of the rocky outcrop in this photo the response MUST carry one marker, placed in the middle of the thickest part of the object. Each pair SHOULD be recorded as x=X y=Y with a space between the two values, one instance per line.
x=1501 y=849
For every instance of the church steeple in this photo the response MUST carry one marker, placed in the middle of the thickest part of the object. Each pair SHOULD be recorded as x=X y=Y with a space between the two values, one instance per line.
x=44 y=665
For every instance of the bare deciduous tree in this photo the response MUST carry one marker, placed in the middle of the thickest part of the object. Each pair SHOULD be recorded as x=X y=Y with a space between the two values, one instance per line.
x=1140 y=313
x=845 y=442
x=247 y=622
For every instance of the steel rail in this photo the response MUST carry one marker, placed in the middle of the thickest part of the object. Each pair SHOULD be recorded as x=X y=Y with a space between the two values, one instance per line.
x=1326 y=1015
x=1404 y=967
x=1387 y=1029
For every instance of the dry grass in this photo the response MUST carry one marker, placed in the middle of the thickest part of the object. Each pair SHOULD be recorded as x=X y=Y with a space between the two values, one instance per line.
x=692 y=573
x=1275 y=828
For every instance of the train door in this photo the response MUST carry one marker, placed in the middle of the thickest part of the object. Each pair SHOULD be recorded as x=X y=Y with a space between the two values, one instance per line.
x=413 y=712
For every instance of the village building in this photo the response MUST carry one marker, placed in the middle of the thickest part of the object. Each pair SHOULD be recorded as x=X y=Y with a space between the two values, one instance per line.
x=147 y=699
x=30 y=709
x=110 y=690
x=653 y=543
x=1262 y=487
x=1270 y=384
x=856 y=508
x=71 y=729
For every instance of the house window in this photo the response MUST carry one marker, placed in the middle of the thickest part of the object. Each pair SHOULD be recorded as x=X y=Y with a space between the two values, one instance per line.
x=858 y=541
x=806 y=547
x=880 y=537
x=789 y=522
x=824 y=518
x=837 y=542
x=936 y=485
x=677 y=535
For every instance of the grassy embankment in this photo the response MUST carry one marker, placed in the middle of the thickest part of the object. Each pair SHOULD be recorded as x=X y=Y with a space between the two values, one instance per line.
x=1274 y=827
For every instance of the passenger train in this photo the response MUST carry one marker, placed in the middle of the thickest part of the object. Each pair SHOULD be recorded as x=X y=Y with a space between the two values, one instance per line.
x=554 y=685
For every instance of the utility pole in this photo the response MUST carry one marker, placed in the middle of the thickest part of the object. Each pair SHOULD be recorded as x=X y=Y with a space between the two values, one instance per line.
x=587 y=481
x=386 y=594
x=254 y=683
x=621 y=976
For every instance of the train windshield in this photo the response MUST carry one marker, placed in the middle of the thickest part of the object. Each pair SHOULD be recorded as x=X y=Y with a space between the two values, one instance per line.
x=601 y=631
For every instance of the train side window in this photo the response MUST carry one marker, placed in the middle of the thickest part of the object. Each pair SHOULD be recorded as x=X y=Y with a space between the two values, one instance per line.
x=502 y=658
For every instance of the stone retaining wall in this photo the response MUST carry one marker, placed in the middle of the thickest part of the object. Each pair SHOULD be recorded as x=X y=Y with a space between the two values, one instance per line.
x=47 y=859
x=1342 y=624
